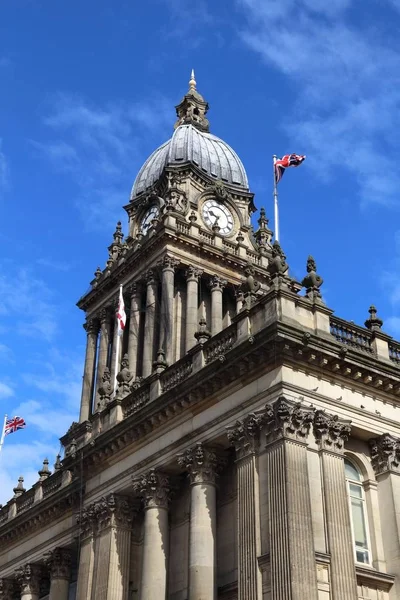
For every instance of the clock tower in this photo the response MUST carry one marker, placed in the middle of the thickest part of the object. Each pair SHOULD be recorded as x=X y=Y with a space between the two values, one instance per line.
x=187 y=260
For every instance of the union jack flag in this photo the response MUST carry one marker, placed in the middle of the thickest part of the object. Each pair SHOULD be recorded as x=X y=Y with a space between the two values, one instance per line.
x=289 y=160
x=14 y=424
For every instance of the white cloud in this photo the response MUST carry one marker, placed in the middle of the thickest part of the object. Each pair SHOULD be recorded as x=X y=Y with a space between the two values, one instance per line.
x=345 y=107
x=5 y=391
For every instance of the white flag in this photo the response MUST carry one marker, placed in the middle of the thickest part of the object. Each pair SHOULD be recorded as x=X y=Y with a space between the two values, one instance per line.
x=121 y=316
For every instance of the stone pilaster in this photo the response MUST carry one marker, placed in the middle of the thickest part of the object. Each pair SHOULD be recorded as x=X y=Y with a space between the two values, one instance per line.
x=114 y=516
x=244 y=436
x=134 y=326
x=292 y=554
x=59 y=563
x=201 y=464
x=385 y=459
x=88 y=526
x=7 y=589
x=105 y=325
x=217 y=286
x=149 y=330
x=92 y=329
x=28 y=578
x=331 y=432
x=154 y=488
x=192 y=305
x=168 y=265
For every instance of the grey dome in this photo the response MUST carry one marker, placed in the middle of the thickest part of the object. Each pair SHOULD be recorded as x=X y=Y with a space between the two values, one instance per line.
x=208 y=152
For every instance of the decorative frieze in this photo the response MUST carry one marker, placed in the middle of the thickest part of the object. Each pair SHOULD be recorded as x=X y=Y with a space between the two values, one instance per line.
x=28 y=578
x=59 y=563
x=330 y=431
x=287 y=419
x=385 y=453
x=154 y=488
x=200 y=462
x=244 y=435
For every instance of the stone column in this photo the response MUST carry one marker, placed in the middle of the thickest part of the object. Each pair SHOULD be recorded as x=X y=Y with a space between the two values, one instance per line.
x=192 y=305
x=385 y=455
x=88 y=526
x=201 y=465
x=59 y=563
x=217 y=285
x=244 y=436
x=168 y=265
x=292 y=553
x=149 y=324
x=134 y=326
x=114 y=515
x=28 y=578
x=92 y=329
x=105 y=324
x=331 y=433
x=154 y=488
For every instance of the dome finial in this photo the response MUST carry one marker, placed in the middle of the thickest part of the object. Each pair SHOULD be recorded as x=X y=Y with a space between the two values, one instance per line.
x=192 y=82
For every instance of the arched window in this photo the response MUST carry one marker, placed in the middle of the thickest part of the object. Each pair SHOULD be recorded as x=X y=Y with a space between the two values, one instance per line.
x=358 y=514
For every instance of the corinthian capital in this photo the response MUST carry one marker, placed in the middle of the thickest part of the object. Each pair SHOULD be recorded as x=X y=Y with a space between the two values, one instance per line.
x=87 y=521
x=92 y=325
x=105 y=316
x=59 y=563
x=385 y=453
x=217 y=283
x=168 y=263
x=200 y=462
x=287 y=419
x=28 y=578
x=193 y=273
x=113 y=511
x=150 y=277
x=154 y=488
x=244 y=435
x=330 y=431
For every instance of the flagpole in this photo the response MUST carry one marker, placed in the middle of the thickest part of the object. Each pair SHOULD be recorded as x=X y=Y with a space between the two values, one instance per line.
x=276 y=208
x=118 y=344
x=3 y=433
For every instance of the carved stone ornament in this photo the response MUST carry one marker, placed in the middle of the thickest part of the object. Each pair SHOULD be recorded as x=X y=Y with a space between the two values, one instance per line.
x=312 y=282
x=59 y=563
x=91 y=326
x=114 y=511
x=8 y=589
x=202 y=335
x=193 y=109
x=374 y=323
x=154 y=488
x=200 y=462
x=330 y=431
x=175 y=197
x=28 y=578
x=106 y=388
x=287 y=419
x=124 y=378
x=168 y=263
x=19 y=489
x=219 y=191
x=277 y=265
x=244 y=435
x=44 y=472
x=385 y=453
x=193 y=273
x=250 y=287
x=217 y=283
x=263 y=234
x=87 y=520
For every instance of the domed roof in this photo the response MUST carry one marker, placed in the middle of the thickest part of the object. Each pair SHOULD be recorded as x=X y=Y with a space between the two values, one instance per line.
x=190 y=145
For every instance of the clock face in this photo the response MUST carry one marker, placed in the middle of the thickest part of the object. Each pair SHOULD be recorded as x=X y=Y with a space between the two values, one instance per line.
x=151 y=214
x=215 y=213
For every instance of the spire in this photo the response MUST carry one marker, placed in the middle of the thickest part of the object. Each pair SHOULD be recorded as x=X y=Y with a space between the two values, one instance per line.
x=193 y=108
x=192 y=82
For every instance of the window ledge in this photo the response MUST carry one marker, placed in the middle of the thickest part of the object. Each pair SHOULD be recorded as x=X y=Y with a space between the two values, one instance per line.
x=368 y=576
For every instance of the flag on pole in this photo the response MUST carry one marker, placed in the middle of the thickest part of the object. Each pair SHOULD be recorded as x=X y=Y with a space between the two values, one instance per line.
x=13 y=424
x=289 y=160
x=121 y=315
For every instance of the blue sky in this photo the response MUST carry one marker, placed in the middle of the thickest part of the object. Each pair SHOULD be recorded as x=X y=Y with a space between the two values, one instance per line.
x=88 y=90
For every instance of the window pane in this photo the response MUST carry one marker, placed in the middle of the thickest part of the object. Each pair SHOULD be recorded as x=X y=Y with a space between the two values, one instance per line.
x=360 y=534
x=351 y=471
x=362 y=557
x=355 y=490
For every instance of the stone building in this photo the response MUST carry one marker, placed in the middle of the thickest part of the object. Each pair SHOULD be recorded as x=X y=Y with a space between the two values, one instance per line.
x=248 y=446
